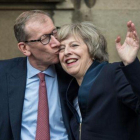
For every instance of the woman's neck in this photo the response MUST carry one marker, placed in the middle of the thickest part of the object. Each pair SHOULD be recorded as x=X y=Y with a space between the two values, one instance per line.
x=79 y=77
x=79 y=80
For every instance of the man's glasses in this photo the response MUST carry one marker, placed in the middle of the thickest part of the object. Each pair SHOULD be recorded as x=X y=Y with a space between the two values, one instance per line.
x=45 y=39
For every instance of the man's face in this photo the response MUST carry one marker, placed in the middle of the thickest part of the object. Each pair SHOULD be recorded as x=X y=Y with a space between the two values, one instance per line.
x=41 y=56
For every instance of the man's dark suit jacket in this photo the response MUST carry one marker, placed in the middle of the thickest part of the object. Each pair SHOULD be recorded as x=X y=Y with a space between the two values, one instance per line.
x=109 y=107
x=13 y=75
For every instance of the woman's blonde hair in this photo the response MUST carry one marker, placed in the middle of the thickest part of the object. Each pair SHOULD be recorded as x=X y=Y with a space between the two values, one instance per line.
x=94 y=40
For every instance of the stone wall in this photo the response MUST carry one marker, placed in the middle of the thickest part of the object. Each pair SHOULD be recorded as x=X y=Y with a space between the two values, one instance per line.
x=110 y=16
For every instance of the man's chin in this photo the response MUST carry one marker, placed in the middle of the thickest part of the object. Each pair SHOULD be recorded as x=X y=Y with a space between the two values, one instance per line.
x=56 y=61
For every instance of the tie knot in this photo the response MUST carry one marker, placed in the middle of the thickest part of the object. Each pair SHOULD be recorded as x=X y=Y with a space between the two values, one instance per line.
x=41 y=76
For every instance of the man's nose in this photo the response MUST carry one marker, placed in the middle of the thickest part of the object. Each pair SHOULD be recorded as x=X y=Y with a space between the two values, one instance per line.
x=54 y=42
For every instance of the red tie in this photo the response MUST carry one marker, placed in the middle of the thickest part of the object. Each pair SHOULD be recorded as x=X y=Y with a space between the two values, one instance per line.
x=42 y=131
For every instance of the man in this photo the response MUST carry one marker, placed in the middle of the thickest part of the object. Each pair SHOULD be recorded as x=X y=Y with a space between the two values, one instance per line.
x=19 y=82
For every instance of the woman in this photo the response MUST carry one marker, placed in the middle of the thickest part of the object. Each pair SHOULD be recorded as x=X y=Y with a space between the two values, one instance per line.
x=101 y=99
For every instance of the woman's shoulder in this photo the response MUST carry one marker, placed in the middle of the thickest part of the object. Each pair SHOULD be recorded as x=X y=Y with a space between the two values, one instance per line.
x=113 y=66
x=111 y=70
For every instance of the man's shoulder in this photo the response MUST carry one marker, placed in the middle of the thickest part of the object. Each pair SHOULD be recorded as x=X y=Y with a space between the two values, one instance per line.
x=9 y=63
x=12 y=60
x=61 y=73
x=59 y=69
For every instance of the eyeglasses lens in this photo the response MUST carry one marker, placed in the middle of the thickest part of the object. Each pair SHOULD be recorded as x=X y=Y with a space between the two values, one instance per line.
x=45 y=39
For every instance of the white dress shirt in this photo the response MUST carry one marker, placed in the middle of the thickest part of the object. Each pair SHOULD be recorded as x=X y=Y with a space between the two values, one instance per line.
x=30 y=106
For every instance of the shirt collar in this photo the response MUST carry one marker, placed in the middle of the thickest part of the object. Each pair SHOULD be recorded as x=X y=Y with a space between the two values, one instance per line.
x=50 y=71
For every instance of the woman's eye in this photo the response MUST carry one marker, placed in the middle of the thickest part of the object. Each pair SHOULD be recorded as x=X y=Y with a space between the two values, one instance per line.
x=74 y=45
x=61 y=49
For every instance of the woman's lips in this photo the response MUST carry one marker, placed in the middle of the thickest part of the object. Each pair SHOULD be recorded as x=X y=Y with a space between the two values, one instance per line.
x=69 y=61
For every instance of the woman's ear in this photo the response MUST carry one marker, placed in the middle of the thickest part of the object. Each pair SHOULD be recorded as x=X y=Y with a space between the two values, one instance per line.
x=24 y=48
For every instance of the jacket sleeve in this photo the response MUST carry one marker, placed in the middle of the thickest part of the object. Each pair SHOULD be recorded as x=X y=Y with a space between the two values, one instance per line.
x=127 y=85
x=132 y=73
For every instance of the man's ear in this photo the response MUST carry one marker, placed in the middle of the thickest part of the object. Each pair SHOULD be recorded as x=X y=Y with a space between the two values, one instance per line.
x=24 y=48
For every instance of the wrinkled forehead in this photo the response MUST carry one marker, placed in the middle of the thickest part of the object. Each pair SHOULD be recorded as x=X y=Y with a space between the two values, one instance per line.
x=39 y=24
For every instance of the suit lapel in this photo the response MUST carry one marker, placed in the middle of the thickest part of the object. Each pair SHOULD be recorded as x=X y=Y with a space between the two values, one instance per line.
x=16 y=90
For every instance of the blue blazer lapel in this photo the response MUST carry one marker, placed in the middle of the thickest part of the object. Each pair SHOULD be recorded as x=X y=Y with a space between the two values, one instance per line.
x=16 y=90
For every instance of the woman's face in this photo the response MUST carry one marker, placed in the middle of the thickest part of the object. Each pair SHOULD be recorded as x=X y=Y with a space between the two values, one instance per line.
x=74 y=56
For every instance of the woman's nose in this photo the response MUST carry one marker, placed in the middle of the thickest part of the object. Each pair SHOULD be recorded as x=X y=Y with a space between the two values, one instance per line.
x=67 y=51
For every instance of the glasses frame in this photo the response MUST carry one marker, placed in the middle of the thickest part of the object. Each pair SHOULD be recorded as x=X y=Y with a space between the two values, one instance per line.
x=39 y=40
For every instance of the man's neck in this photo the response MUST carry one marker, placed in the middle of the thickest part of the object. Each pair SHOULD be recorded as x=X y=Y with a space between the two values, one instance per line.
x=38 y=65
